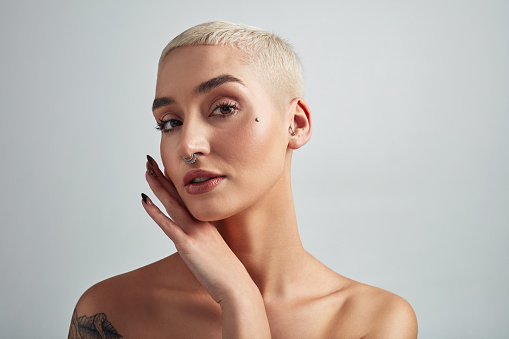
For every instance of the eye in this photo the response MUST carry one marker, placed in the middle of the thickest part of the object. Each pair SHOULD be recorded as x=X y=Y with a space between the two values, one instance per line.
x=168 y=125
x=225 y=109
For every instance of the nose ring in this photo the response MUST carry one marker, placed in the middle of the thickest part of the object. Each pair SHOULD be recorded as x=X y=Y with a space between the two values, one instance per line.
x=191 y=160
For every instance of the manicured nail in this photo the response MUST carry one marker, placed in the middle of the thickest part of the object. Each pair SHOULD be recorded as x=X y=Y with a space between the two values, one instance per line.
x=151 y=171
x=150 y=160
x=145 y=198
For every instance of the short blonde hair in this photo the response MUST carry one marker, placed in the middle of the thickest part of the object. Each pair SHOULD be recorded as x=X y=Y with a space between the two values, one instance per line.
x=276 y=58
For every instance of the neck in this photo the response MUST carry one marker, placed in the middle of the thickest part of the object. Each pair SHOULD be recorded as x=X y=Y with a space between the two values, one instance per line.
x=266 y=240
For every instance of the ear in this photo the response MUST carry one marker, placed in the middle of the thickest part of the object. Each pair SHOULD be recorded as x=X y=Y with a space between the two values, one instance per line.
x=300 y=121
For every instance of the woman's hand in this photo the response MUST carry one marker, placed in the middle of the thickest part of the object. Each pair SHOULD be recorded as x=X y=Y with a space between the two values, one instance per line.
x=207 y=255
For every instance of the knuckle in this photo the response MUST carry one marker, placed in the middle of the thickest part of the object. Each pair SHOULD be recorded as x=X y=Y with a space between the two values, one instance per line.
x=167 y=223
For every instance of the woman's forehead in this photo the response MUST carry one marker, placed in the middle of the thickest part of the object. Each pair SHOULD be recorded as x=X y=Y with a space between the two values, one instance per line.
x=193 y=61
x=197 y=68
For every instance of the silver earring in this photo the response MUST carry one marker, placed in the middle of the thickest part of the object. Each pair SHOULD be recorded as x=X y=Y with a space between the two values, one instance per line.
x=191 y=160
x=293 y=132
x=257 y=119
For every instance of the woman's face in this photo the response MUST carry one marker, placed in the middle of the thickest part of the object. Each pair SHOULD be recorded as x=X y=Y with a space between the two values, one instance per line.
x=207 y=103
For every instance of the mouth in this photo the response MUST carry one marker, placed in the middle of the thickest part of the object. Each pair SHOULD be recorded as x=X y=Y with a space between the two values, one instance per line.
x=199 y=177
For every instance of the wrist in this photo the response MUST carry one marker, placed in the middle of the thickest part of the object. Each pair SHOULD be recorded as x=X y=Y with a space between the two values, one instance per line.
x=242 y=296
x=244 y=315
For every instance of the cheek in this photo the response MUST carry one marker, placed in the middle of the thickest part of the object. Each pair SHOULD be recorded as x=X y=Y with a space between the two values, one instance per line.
x=254 y=143
x=251 y=153
x=170 y=161
x=256 y=151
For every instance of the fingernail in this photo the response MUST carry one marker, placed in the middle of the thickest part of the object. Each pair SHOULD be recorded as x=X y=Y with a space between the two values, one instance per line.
x=150 y=160
x=145 y=198
x=151 y=171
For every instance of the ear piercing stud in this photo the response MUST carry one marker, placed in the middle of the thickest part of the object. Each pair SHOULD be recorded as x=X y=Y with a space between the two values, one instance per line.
x=257 y=119
x=293 y=132
x=191 y=160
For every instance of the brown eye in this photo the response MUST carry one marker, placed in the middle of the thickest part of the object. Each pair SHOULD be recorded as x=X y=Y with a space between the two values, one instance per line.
x=224 y=109
x=168 y=125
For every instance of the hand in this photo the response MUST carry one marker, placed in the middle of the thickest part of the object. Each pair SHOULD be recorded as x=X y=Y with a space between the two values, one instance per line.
x=198 y=243
x=212 y=262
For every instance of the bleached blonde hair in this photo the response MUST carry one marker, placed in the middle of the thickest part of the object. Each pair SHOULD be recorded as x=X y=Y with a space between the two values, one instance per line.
x=274 y=56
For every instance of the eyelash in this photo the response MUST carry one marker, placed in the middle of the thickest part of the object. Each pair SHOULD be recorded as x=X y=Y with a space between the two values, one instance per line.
x=232 y=106
x=162 y=123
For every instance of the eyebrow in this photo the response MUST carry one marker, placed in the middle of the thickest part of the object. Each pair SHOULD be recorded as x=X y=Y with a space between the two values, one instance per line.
x=215 y=82
x=204 y=87
x=160 y=102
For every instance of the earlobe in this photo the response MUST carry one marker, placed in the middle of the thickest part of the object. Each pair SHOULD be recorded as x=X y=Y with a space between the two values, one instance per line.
x=300 y=124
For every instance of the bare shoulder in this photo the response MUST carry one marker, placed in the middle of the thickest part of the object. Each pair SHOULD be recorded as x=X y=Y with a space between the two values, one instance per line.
x=100 y=311
x=376 y=313
x=391 y=315
x=141 y=282
x=151 y=295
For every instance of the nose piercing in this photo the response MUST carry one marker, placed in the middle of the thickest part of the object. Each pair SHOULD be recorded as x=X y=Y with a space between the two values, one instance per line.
x=293 y=132
x=191 y=160
x=257 y=119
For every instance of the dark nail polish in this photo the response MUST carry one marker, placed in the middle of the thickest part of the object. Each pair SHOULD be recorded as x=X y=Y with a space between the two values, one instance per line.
x=144 y=197
x=150 y=160
x=151 y=171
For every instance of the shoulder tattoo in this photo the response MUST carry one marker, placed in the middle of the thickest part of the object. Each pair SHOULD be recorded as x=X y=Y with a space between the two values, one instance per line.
x=94 y=327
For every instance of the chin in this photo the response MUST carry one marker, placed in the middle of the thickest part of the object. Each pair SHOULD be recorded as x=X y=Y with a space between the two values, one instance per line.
x=210 y=213
x=209 y=217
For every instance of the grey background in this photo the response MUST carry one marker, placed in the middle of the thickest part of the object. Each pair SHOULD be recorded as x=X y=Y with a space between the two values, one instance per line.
x=403 y=185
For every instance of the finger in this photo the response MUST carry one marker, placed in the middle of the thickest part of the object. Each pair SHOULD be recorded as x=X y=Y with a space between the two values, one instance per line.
x=155 y=172
x=169 y=227
x=166 y=192
x=161 y=187
x=175 y=210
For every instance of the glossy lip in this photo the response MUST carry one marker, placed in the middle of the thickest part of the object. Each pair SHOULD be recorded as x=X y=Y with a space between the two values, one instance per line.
x=204 y=187
x=191 y=175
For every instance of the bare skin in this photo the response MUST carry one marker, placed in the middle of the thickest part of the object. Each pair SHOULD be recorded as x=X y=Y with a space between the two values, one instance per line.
x=245 y=274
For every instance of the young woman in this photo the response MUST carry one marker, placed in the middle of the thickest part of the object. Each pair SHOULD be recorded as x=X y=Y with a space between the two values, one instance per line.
x=230 y=109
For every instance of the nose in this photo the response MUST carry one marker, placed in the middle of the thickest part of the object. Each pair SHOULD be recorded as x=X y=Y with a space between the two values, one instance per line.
x=193 y=139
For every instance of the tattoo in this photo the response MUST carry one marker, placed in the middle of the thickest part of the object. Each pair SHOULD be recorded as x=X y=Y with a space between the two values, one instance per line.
x=94 y=327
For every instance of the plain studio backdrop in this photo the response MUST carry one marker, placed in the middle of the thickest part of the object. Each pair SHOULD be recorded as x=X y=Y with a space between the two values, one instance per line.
x=404 y=184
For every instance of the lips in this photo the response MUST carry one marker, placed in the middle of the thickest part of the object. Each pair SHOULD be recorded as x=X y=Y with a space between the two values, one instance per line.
x=201 y=179
x=199 y=176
